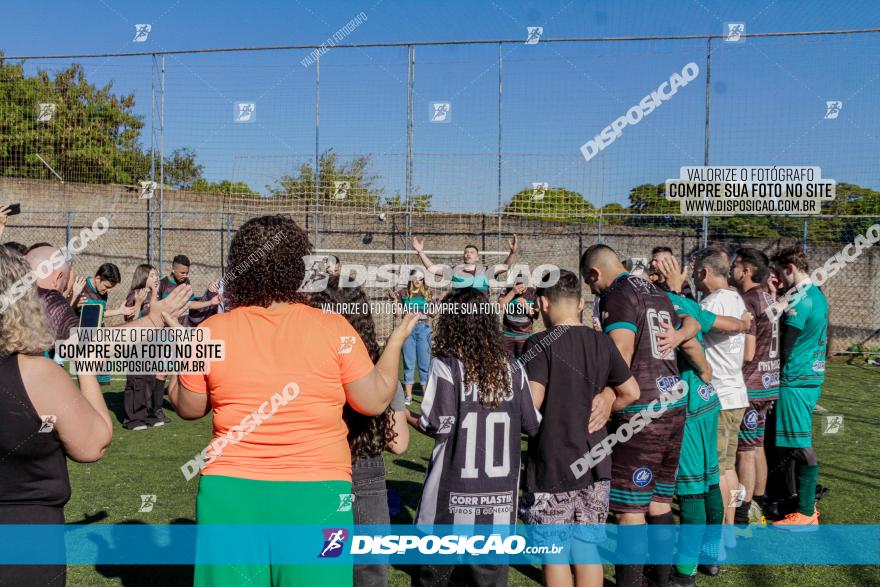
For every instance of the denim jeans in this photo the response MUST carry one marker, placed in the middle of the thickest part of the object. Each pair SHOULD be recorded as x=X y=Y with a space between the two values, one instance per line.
x=417 y=351
x=370 y=507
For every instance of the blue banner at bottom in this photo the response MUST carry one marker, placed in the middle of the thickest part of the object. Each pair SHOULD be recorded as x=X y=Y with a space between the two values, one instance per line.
x=130 y=544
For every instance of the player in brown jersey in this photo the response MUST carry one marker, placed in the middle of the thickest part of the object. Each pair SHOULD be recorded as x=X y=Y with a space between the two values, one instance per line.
x=761 y=373
x=635 y=313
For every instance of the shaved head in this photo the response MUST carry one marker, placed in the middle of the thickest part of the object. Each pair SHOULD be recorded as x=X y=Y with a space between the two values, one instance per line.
x=600 y=266
x=57 y=279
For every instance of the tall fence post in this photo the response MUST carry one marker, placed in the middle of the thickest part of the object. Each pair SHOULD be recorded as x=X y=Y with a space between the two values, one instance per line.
x=706 y=144
x=162 y=168
x=67 y=234
x=580 y=275
x=410 y=97
x=317 y=143
x=806 y=220
x=580 y=254
x=228 y=234
x=500 y=125
x=153 y=140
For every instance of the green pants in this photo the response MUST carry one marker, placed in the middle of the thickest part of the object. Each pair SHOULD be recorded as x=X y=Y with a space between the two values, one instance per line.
x=698 y=461
x=230 y=501
x=794 y=416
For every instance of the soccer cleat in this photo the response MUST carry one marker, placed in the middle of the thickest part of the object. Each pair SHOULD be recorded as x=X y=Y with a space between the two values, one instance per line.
x=711 y=570
x=755 y=518
x=743 y=531
x=797 y=522
x=679 y=580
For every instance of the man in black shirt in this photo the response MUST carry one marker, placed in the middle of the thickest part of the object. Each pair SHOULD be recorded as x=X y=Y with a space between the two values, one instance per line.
x=199 y=308
x=576 y=376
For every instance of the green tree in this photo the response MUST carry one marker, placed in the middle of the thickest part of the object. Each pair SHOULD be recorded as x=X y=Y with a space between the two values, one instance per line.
x=556 y=204
x=222 y=187
x=615 y=214
x=651 y=199
x=362 y=189
x=91 y=136
x=182 y=170
x=418 y=202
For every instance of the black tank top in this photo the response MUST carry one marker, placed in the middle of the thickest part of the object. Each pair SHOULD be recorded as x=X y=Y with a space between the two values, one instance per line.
x=33 y=466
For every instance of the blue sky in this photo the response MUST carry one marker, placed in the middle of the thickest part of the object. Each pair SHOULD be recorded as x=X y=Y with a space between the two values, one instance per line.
x=767 y=95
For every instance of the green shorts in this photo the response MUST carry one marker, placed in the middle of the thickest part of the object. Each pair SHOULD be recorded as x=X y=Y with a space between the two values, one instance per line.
x=230 y=500
x=794 y=416
x=698 y=461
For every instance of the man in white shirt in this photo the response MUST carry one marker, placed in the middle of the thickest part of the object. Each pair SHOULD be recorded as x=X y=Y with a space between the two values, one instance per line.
x=725 y=355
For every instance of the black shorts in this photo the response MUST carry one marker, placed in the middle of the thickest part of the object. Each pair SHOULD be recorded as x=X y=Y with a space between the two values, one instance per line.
x=643 y=468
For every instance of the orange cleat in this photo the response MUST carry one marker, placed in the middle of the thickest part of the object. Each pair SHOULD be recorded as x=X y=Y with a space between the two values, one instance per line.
x=797 y=522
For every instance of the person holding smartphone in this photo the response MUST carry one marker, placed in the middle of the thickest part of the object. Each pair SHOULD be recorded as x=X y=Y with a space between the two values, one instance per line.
x=95 y=292
x=5 y=212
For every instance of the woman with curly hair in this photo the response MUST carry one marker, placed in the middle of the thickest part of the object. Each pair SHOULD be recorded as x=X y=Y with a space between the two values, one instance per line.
x=280 y=452
x=476 y=405
x=368 y=436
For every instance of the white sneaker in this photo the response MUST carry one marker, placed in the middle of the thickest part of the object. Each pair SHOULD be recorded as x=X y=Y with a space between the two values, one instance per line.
x=407 y=401
x=141 y=427
x=159 y=423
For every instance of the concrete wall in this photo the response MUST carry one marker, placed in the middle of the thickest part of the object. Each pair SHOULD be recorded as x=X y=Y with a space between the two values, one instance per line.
x=199 y=225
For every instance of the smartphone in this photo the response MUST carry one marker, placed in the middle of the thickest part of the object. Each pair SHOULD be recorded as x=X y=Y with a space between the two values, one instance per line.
x=14 y=209
x=91 y=316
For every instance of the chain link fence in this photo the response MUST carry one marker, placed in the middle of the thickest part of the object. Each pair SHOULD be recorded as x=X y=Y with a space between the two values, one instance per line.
x=459 y=142
x=854 y=293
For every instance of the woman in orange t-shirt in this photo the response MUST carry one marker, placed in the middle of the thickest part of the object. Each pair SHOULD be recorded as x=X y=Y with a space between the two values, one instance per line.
x=280 y=453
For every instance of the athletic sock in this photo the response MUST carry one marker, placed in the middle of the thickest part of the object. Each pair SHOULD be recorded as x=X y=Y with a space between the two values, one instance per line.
x=741 y=516
x=693 y=521
x=714 y=520
x=628 y=575
x=806 y=477
x=634 y=549
x=660 y=545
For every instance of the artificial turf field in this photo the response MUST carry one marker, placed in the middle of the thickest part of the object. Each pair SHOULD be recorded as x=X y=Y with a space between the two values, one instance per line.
x=148 y=463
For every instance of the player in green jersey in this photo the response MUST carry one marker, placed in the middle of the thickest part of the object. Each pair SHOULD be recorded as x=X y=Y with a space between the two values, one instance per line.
x=697 y=481
x=804 y=336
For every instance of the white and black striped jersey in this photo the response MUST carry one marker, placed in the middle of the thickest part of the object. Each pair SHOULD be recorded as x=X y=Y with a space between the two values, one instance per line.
x=473 y=476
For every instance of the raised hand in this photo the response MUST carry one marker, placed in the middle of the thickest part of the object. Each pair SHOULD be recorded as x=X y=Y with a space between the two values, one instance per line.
x=173 y=304
x=418 y=245
x=672 y=272
x=406 y=326
x=79 y=285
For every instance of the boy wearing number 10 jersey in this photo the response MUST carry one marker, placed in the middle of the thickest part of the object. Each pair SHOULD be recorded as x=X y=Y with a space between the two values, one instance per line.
x=476 y=406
